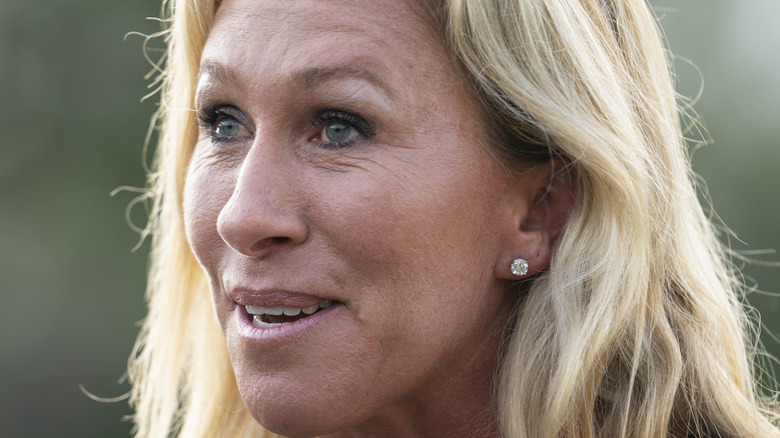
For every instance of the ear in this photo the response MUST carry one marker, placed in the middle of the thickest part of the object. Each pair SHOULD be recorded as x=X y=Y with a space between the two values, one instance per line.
x=549 y=194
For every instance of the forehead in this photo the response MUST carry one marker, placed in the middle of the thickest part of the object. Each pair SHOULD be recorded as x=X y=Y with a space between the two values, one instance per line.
x=285 y=34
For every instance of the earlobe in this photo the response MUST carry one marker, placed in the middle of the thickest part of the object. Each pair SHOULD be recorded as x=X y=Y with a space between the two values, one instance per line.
x=552 y=191
x=519 y=267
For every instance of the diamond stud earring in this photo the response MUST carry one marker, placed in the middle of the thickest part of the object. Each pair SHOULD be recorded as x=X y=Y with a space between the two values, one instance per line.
x=519 y=267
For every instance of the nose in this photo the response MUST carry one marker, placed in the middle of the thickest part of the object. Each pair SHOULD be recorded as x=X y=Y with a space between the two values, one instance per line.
x=261 y=215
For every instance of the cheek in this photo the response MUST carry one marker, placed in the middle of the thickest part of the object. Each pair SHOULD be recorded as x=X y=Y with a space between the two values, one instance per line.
x=367 y=219
x=415 y=236
x=205 y=194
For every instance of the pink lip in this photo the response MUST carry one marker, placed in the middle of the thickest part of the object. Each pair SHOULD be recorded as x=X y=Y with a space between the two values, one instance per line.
x=269 y=336
x=274 y=297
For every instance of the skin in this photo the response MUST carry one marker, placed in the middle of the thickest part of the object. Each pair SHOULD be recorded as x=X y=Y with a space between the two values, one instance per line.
x=410 y=227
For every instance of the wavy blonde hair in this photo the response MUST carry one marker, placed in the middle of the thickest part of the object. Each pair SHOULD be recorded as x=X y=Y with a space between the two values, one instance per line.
x=636 y=330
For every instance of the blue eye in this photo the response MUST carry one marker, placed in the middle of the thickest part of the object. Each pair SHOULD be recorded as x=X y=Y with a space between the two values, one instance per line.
x=338 y=132
x=227 y=128
x=224 y=124
x=338 y=129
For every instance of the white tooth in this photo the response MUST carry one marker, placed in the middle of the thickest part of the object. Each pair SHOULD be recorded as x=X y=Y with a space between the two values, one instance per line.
x=255 y=310
x=310 y=310
x=292 y=311
x=257 y=322
x=260 y=310
x=325 y=303
x=275 y=310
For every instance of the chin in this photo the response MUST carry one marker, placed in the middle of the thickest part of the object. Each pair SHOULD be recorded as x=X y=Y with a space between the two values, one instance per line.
x=294 y=408
x=296 y=418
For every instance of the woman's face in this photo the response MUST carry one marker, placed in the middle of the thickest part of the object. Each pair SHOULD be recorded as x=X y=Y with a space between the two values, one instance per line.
x=341 y=161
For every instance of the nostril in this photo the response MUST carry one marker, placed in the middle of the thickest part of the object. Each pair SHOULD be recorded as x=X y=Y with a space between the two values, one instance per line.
x=264 y=244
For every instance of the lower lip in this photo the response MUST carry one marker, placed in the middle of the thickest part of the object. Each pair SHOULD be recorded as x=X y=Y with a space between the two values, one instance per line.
x=282 y=333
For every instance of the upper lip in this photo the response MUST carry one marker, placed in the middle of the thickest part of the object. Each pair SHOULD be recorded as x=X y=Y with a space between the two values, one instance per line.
x=273 y=297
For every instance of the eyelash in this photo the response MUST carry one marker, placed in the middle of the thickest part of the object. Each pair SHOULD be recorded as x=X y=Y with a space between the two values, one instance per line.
x=209 y=117
x=358 y=123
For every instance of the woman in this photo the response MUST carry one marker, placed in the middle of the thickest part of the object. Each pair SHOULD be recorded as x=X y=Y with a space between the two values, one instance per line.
x=455 y=218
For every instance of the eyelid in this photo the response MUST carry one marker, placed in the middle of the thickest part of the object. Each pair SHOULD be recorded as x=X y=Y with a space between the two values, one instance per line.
x=359 y=124
x=363 y=127
x=208 y=114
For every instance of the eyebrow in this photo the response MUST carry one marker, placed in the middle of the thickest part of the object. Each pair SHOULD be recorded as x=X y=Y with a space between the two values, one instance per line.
x=218 y=71
x=312 y=77
x=307 y=78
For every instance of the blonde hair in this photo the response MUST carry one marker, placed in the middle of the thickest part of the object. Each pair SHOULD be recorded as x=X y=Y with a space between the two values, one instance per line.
x=636 y=330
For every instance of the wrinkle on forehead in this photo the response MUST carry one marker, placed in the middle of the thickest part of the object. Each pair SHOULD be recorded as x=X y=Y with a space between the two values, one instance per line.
x=307 y=78
x=312 y=77
x=347 y=17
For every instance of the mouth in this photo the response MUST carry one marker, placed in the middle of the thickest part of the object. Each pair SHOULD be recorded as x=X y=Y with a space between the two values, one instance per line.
x=276 y=316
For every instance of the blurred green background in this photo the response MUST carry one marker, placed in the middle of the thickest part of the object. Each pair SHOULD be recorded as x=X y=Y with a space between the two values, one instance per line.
x=72 y=128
